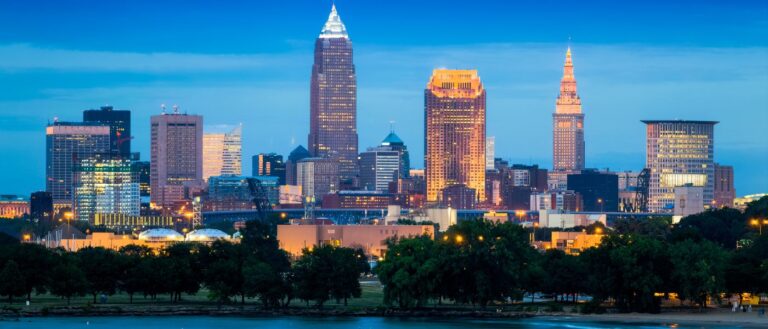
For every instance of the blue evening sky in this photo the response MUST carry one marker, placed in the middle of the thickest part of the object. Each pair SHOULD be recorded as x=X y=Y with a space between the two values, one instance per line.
x=249 y=62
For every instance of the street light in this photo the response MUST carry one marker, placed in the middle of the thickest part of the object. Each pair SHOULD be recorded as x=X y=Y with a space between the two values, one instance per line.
x=600 y=201
x=459 y=239
x=759 y=224
x=598 y=230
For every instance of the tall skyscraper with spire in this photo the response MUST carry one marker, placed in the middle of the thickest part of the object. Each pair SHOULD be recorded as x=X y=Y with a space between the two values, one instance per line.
x=567 y=129
x=333 y=98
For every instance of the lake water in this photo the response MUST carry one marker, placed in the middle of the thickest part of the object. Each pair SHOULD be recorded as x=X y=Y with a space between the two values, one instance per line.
x=200 y=322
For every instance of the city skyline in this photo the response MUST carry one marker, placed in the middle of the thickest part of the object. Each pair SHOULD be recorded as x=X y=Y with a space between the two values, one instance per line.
x=510 y=97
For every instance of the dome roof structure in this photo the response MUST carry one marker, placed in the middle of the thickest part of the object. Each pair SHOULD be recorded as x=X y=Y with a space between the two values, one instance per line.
x=160 y=234
x=206 y=235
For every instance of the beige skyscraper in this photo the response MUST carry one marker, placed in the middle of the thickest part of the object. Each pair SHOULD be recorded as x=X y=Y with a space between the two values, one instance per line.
x=455 y=132
x=222 y=153
x=567 y=130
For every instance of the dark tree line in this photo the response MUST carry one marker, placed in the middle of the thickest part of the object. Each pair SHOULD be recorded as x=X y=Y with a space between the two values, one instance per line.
x=254 y=268
x=636 y=265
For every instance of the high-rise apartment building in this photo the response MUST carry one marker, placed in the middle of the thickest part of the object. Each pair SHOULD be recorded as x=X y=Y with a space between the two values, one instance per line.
x=724 y=190
x=119 y=122
x=269 y=164
x=455 y=132
x=142 y=170
x=298 y=154
x=317 y=176
x=394 y=143
x=567 y=130
x=66 y=144
x=599 y=190
x=176 y=153
x=679 y=153
x=378 y=167
x=490 y=153
x=222 y=153
x=105 y=185
x=333 y=98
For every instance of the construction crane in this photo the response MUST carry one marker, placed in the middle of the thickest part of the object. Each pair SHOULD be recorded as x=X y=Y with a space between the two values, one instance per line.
x=259 y=198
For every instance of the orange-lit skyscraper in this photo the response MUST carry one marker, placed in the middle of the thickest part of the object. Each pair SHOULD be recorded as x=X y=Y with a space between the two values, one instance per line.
x=567 y=129
x=454 y=120
x=333 y=98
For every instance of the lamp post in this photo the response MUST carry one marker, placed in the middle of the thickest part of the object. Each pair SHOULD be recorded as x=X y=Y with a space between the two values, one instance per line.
x=757 y=222
x=600 y=202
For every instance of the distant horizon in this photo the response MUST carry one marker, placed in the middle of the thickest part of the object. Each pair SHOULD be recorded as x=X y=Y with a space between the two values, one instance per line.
x=250 y=63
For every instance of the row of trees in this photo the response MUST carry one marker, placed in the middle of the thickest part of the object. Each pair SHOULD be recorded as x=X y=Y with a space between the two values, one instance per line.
x=254 y=268
x=481 y=262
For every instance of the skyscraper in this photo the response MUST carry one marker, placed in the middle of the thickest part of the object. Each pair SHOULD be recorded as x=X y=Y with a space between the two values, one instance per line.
x=105 y=185
x=679 y=153
x=222 y=153
x=317 y=176
x=454 y=132
x=333 y=98
x=378 y=167
x=66 y=144
x=176 y=156
x=41 y=207
x=394 y=143
x=269 y=164
x=119 y=122
x=490 y=152
x=567 y=129
x=724 y=190
x=298 y=154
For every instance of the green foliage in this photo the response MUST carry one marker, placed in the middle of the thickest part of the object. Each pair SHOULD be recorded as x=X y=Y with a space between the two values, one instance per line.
x=328 y=272
x=722 y=226
x=698 y=270
x=102 y=269
x=747 y=270
x=69 y=280
x=628 y=269
x=562 y=274
x=11 y=281
x=411 y=272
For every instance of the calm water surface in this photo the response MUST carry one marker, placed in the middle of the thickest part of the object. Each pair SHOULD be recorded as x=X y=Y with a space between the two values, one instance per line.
x=199 y=322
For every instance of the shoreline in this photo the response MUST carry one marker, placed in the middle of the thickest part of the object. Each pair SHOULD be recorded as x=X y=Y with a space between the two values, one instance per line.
x=711 y=317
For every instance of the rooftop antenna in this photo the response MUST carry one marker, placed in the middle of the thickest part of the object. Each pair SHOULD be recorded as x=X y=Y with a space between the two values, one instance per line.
x=162 y=107
x=175 y=109
x=391 y=126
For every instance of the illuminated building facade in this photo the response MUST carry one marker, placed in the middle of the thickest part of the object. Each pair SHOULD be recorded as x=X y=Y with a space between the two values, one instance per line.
x=66 y=144
x=455 y=132
x=679 y=153
x=567 y=129
x=269 y=164
x=13 y=206
x=378 y=167
x=142 y=169
x=333 y=98
x=222 y=153
x=119 y=122
x=371 y=238
x=317 y=177
x=358 y=200
x=176 y=153
x=105 y=185
x=725 y=193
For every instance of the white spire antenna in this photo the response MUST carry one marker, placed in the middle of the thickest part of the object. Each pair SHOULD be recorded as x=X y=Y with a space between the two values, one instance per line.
x=391 y=126
x=162 y=107
x=175 y=109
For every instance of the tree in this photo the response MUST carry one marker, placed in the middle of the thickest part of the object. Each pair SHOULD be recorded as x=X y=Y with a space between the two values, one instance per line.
x=630 y=269
x=698 y=270
x=223 y=271
x=34 y=263
x=484 y=261
x=102 y=269
x=69 y=280
x=563 y=273
x=747 y=268
x=184 y=264
x=410 y=272
x=722 y=226
x=12 y=282
x=327 y=272
x=262 y=281
x=133 y=279
x=656 y=227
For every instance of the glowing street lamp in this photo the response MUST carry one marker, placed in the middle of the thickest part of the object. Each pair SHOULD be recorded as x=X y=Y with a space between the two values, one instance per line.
x=459 y=239
x=759 y=224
